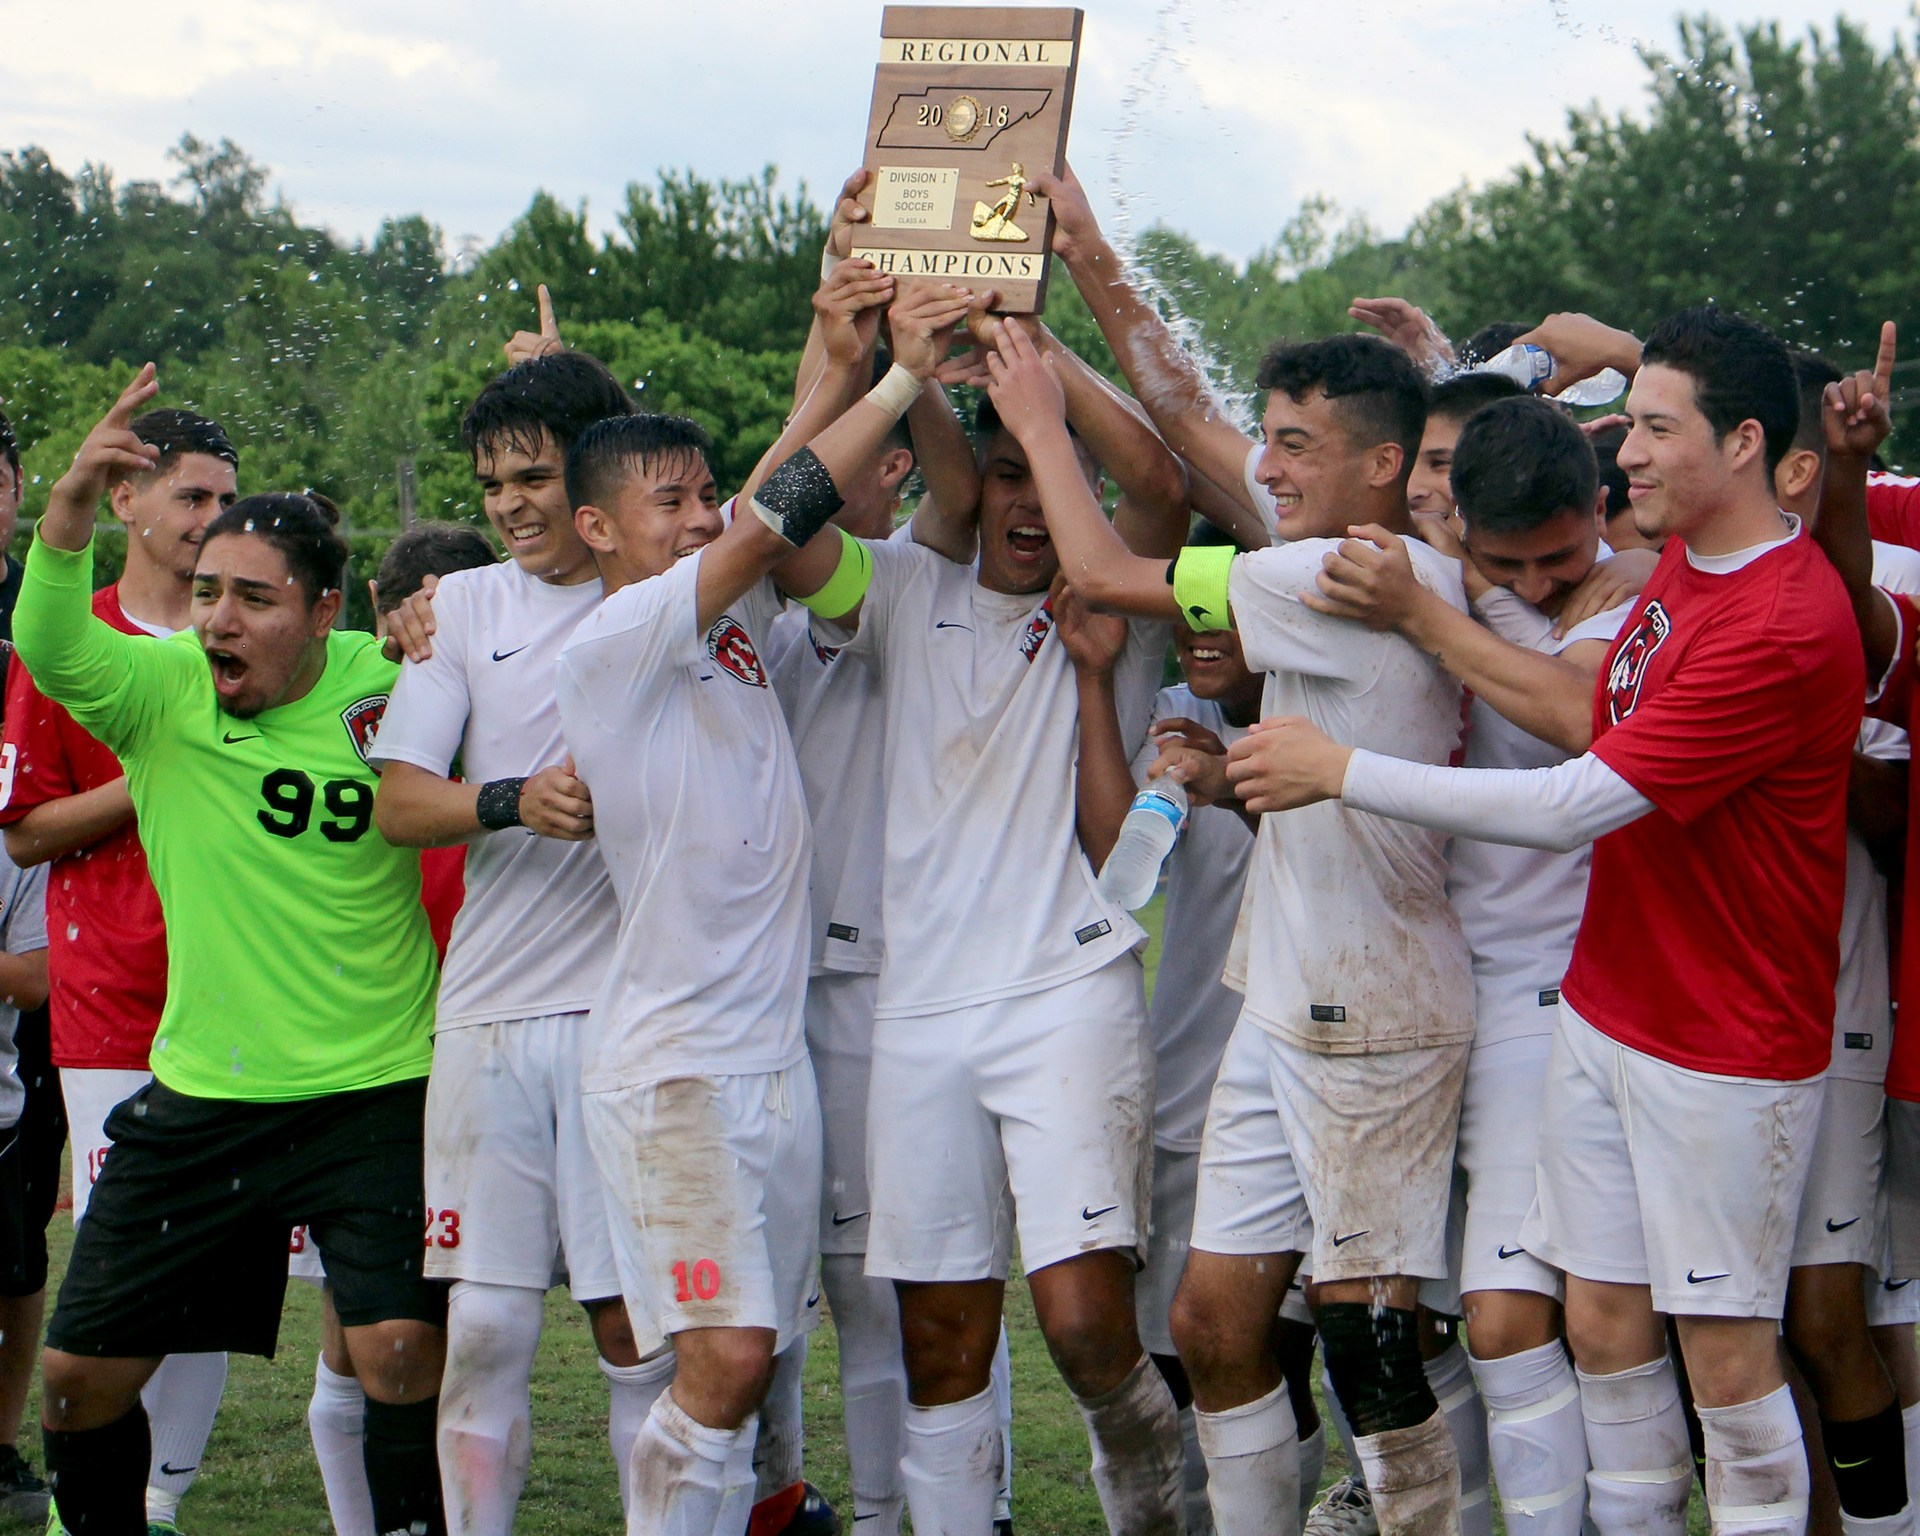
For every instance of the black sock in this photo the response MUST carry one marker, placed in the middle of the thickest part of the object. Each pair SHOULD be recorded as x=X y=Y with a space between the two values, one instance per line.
x=99 y=1476
x=1869 y=1461
x=403 y=1470
x=1373 y=1357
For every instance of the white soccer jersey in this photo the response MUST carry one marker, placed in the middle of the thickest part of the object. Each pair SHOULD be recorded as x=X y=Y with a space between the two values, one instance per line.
x=533 y=934
x=837 y=716
x=1863 y=1006
x=699 y=813
x=1346 y=941
x=986 y=893
x=1193 y=1010
x=1519 y=907
x=23 y=929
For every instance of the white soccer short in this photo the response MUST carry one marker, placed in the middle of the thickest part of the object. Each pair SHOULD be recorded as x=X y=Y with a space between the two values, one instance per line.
x=1685 y=1182
x=1843 y=1213
x=714 y=1200
x=514 y=1196
x=1047 y=1097
x=1176 y=1178
x=1903 y=1185
x=1346 y=1158
x=1499 y=1142
x=91 y=1093
x=840 y=1041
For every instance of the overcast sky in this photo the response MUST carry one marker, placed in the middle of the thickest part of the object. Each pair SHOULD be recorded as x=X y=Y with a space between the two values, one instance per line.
x=1217 y=116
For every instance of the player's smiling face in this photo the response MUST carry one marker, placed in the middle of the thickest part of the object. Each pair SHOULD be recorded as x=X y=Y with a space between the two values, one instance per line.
x=1016 y=550
x=1311 y=466
x=1214 y=668
x=1539 y=565
x=1679 y=472
x=1430 y=486
x=524 y=493
x=264 y=638
x=167 y=512
x=657 y=516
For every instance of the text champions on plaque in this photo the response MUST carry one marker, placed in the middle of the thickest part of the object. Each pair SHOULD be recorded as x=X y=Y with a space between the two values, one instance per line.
x=969 y=102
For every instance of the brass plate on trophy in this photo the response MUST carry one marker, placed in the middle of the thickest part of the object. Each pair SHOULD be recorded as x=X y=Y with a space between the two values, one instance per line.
x=969 y=102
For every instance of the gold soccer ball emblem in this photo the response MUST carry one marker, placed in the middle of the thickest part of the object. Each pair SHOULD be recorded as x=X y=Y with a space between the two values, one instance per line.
x=963 y=119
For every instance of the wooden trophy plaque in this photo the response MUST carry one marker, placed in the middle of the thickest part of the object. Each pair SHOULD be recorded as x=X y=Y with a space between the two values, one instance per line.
x=968 y=103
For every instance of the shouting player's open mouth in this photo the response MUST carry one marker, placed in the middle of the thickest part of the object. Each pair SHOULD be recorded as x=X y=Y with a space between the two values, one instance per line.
x=1029 y=541
x=229 y=672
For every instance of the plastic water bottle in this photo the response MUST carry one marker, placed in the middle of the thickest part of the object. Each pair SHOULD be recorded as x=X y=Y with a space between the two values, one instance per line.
x=1531 y=367
x=1146 y=838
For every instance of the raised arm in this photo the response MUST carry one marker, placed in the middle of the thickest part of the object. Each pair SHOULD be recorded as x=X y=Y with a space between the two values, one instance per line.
x=1858 y=421
x=1164 y=377
x=1370 y=578
x=1094 y=558
x=1103 y=778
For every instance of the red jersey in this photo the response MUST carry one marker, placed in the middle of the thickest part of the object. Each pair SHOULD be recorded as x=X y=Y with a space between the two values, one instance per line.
x=1732 y=702
x=1893 y=509
x=1899 y=702
x=106 y=942
x=443 y=887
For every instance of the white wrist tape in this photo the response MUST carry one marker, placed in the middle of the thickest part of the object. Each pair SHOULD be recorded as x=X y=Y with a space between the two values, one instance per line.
x=895 y=393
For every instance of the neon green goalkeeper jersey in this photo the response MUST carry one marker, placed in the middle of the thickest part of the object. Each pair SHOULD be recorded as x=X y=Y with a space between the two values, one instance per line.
x=298 y=957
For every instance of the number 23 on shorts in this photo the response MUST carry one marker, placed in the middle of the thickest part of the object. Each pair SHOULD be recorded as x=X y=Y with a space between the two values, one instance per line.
x=701 y=1282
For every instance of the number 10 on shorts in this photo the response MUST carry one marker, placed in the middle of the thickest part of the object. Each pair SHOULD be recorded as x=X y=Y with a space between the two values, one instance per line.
x=701 y=1282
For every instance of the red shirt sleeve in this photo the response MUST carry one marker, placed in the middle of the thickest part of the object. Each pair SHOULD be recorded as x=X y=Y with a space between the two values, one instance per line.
x=1716 y=725
x=33 y=759
x=1893 y=509
x=1895 y=699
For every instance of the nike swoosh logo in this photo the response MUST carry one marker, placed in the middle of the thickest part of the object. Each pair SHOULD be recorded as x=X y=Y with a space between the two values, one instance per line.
x=813 y=1300
x=503 y=655
x=1844 y=1466
x=1087 y=1215
x=949 y=624
x=1198 y=614
x=841 y=1221
x=173 y=1471
x=229 y=738
x=1840 y=1226
x=1351 y=1236
x=1510 y=1253
x=1895 y=1285
x=1693 y=1279
x=872 y=1514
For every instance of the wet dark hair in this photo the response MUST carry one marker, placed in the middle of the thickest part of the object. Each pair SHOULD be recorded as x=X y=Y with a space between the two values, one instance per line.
x=1812 y=373
x=303 y=526
x=1458 y=397
x=559 y=394
x=986 y=422
x=177 y=433
x=1519 y=464
x=428 y=549
x=610 y=452
x=1491 y=340
x=1380 y=395
x=1741 y=371
x=1606 y=452
x=10 y=446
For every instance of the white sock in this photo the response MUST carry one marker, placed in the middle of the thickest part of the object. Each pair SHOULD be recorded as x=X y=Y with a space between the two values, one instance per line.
x=1000 y=1379
x=1451 y=1378
x=629 y=1400
x=1193 y=1483
x=1253 y=1465
x=1757 y=1479
x=485 y=1425
x=181 y=1399
x=1313 y=1466
x=781 y=1442
x=1414 y=1476
x=1536 y=1440
x=1887 y=1525
x=336 y=1420
x=1330 y=1401
x=1642 y=1462
x=736 y=1505
x=952 y=1466
x=682 y=1473
x=1137 y=1464
x=873 y=1389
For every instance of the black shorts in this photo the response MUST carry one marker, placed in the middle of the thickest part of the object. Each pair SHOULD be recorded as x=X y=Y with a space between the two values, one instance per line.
x=23 y=1243
x=184 y=1245
x=43 y=1123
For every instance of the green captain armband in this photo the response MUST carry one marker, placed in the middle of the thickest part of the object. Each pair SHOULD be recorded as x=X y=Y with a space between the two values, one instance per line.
x=1200 y=585
x=848 y=583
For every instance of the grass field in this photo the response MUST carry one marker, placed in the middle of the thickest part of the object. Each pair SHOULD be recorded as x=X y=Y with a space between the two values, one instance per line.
x=259 y=1477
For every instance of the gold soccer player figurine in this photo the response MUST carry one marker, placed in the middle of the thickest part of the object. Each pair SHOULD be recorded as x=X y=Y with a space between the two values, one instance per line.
x=995 y=222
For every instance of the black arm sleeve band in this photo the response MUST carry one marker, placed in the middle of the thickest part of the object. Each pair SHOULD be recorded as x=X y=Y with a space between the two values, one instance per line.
x=499 y=804
x=798 y=498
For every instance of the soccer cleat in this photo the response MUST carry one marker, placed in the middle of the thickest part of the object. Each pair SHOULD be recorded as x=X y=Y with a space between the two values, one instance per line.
x=814 y=1517
x=1346 y=1510
x=23 y=1493
x=54 y=1527
x=1003 y=1527
x=162 y=1528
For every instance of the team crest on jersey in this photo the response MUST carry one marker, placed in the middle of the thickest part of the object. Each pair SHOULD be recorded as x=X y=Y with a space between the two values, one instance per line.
x=1037 y=630
x=1630 y=662
x=826 y=655
x=729 y=644
x=362 y=720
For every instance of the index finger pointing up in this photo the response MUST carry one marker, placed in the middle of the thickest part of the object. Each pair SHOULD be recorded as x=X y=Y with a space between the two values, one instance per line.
x=548 y=325
x=1883 y=364
x=144 y=387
